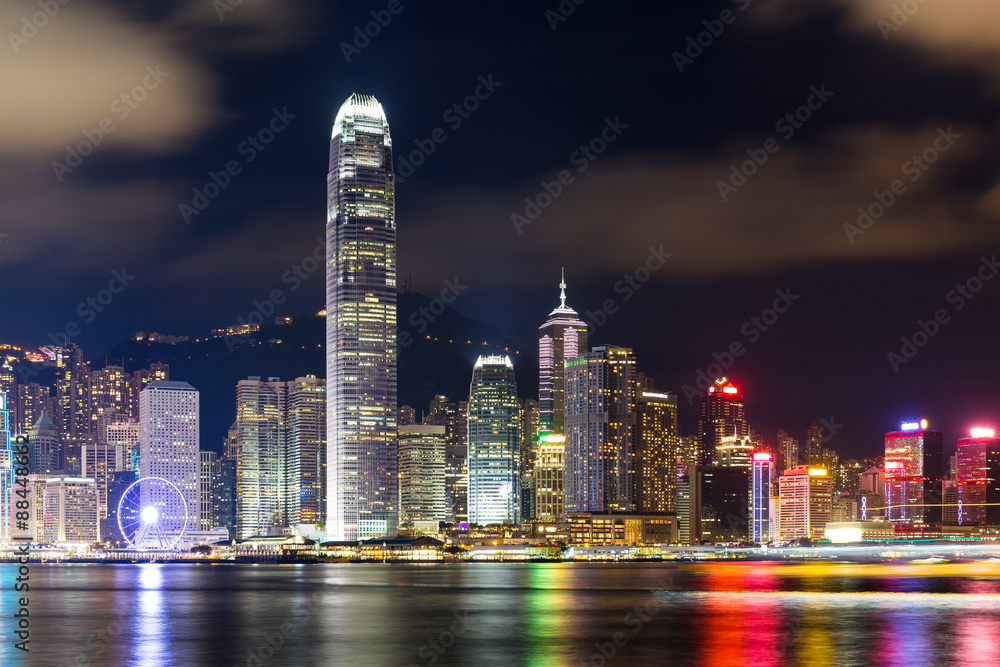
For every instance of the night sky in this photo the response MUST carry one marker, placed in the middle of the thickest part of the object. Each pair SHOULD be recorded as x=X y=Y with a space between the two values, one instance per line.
x=620 y=101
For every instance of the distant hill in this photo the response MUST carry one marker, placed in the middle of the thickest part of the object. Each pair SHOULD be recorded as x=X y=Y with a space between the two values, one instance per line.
x=437 y=360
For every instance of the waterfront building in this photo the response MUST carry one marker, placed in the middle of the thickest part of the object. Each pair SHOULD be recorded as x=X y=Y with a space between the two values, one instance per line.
x=914 y=463
x=656 y=453
x=168 y=444
x=206 y=468
x=304 y=480
x=725 y=504
x=118 y=483
x=601 y=394
x=978 y=479
x=361 y=346
x=261 y=413
x=422 y=453
x=494 y=439
x=549 y=476
x=760 y=497
x=70 y=515
x=805 y=503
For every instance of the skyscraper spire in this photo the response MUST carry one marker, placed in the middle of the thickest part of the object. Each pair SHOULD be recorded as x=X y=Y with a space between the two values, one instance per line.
x=562 y=289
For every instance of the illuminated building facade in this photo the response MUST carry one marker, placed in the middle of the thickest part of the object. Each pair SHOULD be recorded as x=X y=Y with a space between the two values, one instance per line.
x=722 y=416
x=978 y=479
x=126 y=435
x=168 y=443
x=656 y=453
x=206 y=492
x=562 y=337
x=494 y=439
x=549 y=476
x=788 y=450
x=422 y=450
x=601 y=394
x=70 y=514
x=805 y=502
x=914 y=463
x=361 y=348
x=734 y=452
x=44 y=447
x=760 y=497
x=304 y=478
x=814 y=445
x=32 y=401
x=261 y=414
x=98 y=462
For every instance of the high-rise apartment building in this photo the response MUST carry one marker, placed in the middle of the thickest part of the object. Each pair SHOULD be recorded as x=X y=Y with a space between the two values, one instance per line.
x=656 y=453
x=422 y=473
x=452 y=416
x=805 y=502
x=914 y=463
x=168 y=445
x=32 y=401
x=788 y=450
x=494 y=440
x=977 y=469
x=722 y=416
x=361 y=347
x=601 y=395
x=814 y=445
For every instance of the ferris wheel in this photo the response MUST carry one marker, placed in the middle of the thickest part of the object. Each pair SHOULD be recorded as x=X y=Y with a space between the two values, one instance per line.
x=152 y=514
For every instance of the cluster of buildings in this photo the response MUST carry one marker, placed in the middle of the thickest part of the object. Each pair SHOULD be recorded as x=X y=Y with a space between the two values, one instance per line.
x=597 y=459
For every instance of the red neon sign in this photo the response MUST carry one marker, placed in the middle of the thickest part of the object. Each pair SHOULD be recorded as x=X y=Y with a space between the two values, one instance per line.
x=730 y=389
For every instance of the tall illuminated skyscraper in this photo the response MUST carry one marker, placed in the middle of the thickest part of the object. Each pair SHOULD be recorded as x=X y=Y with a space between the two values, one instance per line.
x=656 y=453
x=601 y=395
x=494 y=442
x=168 y=443
x=914 y=462
x=562 y=337
x=361 y=346
x=304 y=484
x=978 y=478
x=721 y=416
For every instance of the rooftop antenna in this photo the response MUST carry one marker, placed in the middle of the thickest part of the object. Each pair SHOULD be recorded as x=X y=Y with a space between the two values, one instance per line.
x=562 y=289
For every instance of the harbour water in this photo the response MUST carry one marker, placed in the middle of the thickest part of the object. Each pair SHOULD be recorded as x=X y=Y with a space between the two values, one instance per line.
x=557 y=614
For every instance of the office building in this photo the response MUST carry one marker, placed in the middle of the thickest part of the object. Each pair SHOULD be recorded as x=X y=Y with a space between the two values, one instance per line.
x=422 y=453
x=44 y=447
x=224 y=505
x=444 y=412
x=722 y=415
x=261 y=413
x=168 y=445
x=118 y=483
x=549 y=476
x=601 y=394
x=562 y=337
x=656 y=453
x=914 y=463
x=725 y=504
x=978 y=479
x=805 y=503
x=735 y=452
x=305 y=468
x=206 y=491
x=760 y=497
x=98 y=461
x=361 y=347
x=494 y=439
